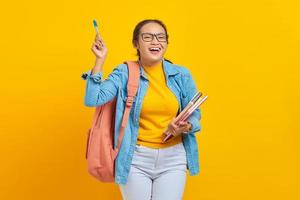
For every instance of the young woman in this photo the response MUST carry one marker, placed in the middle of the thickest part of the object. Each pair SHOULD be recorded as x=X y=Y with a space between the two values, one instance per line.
x=145 y=167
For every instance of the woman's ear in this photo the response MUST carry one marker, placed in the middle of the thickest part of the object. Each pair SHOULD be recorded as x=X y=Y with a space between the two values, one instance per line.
x=136 y=45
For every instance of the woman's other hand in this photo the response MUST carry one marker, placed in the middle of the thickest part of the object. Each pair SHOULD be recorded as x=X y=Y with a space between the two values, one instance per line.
x=175 y=130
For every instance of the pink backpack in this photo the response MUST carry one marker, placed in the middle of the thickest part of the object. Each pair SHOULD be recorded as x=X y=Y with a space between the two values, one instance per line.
x=100 y=152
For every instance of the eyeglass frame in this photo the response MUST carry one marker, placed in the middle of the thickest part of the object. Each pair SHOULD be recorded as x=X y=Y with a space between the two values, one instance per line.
x=154 y=35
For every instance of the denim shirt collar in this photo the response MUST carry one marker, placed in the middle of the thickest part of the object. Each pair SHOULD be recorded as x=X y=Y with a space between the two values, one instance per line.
x=169 y=69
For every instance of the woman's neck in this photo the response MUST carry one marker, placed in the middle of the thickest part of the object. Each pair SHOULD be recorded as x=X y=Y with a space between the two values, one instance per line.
x=149 y=64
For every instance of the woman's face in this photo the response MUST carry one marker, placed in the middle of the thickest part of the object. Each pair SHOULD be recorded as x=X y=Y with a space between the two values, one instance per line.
x=152 y=50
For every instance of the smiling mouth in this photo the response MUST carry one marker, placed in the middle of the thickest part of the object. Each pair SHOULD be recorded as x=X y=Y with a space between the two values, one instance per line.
x=154 y=49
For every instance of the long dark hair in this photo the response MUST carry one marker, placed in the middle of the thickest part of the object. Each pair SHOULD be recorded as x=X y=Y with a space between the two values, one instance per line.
x=138 y=27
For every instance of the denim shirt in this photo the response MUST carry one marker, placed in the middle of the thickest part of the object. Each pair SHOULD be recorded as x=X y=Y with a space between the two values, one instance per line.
x=178 y=79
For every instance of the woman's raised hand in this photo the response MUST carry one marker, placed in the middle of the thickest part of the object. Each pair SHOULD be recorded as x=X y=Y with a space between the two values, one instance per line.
x=99 y=48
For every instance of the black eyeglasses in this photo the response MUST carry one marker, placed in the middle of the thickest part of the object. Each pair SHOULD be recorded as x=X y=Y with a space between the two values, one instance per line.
x=148 y=37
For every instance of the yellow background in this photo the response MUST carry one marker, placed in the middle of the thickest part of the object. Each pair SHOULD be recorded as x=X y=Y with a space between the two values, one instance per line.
x=243 y=54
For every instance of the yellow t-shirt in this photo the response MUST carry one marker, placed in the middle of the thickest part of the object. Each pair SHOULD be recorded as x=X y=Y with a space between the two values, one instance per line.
x=159 y=107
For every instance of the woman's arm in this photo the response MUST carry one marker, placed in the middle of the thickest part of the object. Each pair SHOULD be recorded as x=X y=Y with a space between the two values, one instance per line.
x=100 y=91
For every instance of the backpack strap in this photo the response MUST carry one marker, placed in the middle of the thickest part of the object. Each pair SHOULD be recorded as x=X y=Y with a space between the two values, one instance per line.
x=132 y=87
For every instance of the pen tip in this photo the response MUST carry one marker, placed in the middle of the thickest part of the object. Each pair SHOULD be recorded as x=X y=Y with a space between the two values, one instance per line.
x=95 y=22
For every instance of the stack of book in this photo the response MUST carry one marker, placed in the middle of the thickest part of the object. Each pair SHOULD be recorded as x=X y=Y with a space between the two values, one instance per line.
x=194 y=103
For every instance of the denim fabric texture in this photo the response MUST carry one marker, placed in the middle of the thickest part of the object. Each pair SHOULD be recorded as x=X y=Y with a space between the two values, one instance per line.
x=178 y=79
x=156 y=174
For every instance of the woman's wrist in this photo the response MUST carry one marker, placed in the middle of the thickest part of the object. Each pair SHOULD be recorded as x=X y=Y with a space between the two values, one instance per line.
x=98 y=65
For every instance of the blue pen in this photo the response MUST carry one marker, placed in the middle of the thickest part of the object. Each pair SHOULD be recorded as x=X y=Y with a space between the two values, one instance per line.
x=96 y=26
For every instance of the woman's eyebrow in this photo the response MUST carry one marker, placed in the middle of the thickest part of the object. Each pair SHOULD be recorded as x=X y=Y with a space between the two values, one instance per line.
x=155 y=33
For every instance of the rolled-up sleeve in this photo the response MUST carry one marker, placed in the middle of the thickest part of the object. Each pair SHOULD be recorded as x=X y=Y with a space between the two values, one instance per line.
x=95 y=77
x=98 y=91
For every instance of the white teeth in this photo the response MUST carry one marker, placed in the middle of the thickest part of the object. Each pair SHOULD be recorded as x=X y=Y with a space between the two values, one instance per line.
x=155 y=48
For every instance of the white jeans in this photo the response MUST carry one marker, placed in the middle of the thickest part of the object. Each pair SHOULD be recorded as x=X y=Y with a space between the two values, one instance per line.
x=156 y=174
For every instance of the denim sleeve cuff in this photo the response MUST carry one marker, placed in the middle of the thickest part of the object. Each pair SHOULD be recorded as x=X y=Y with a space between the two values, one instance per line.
x=195 y=124
x=95 y=77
